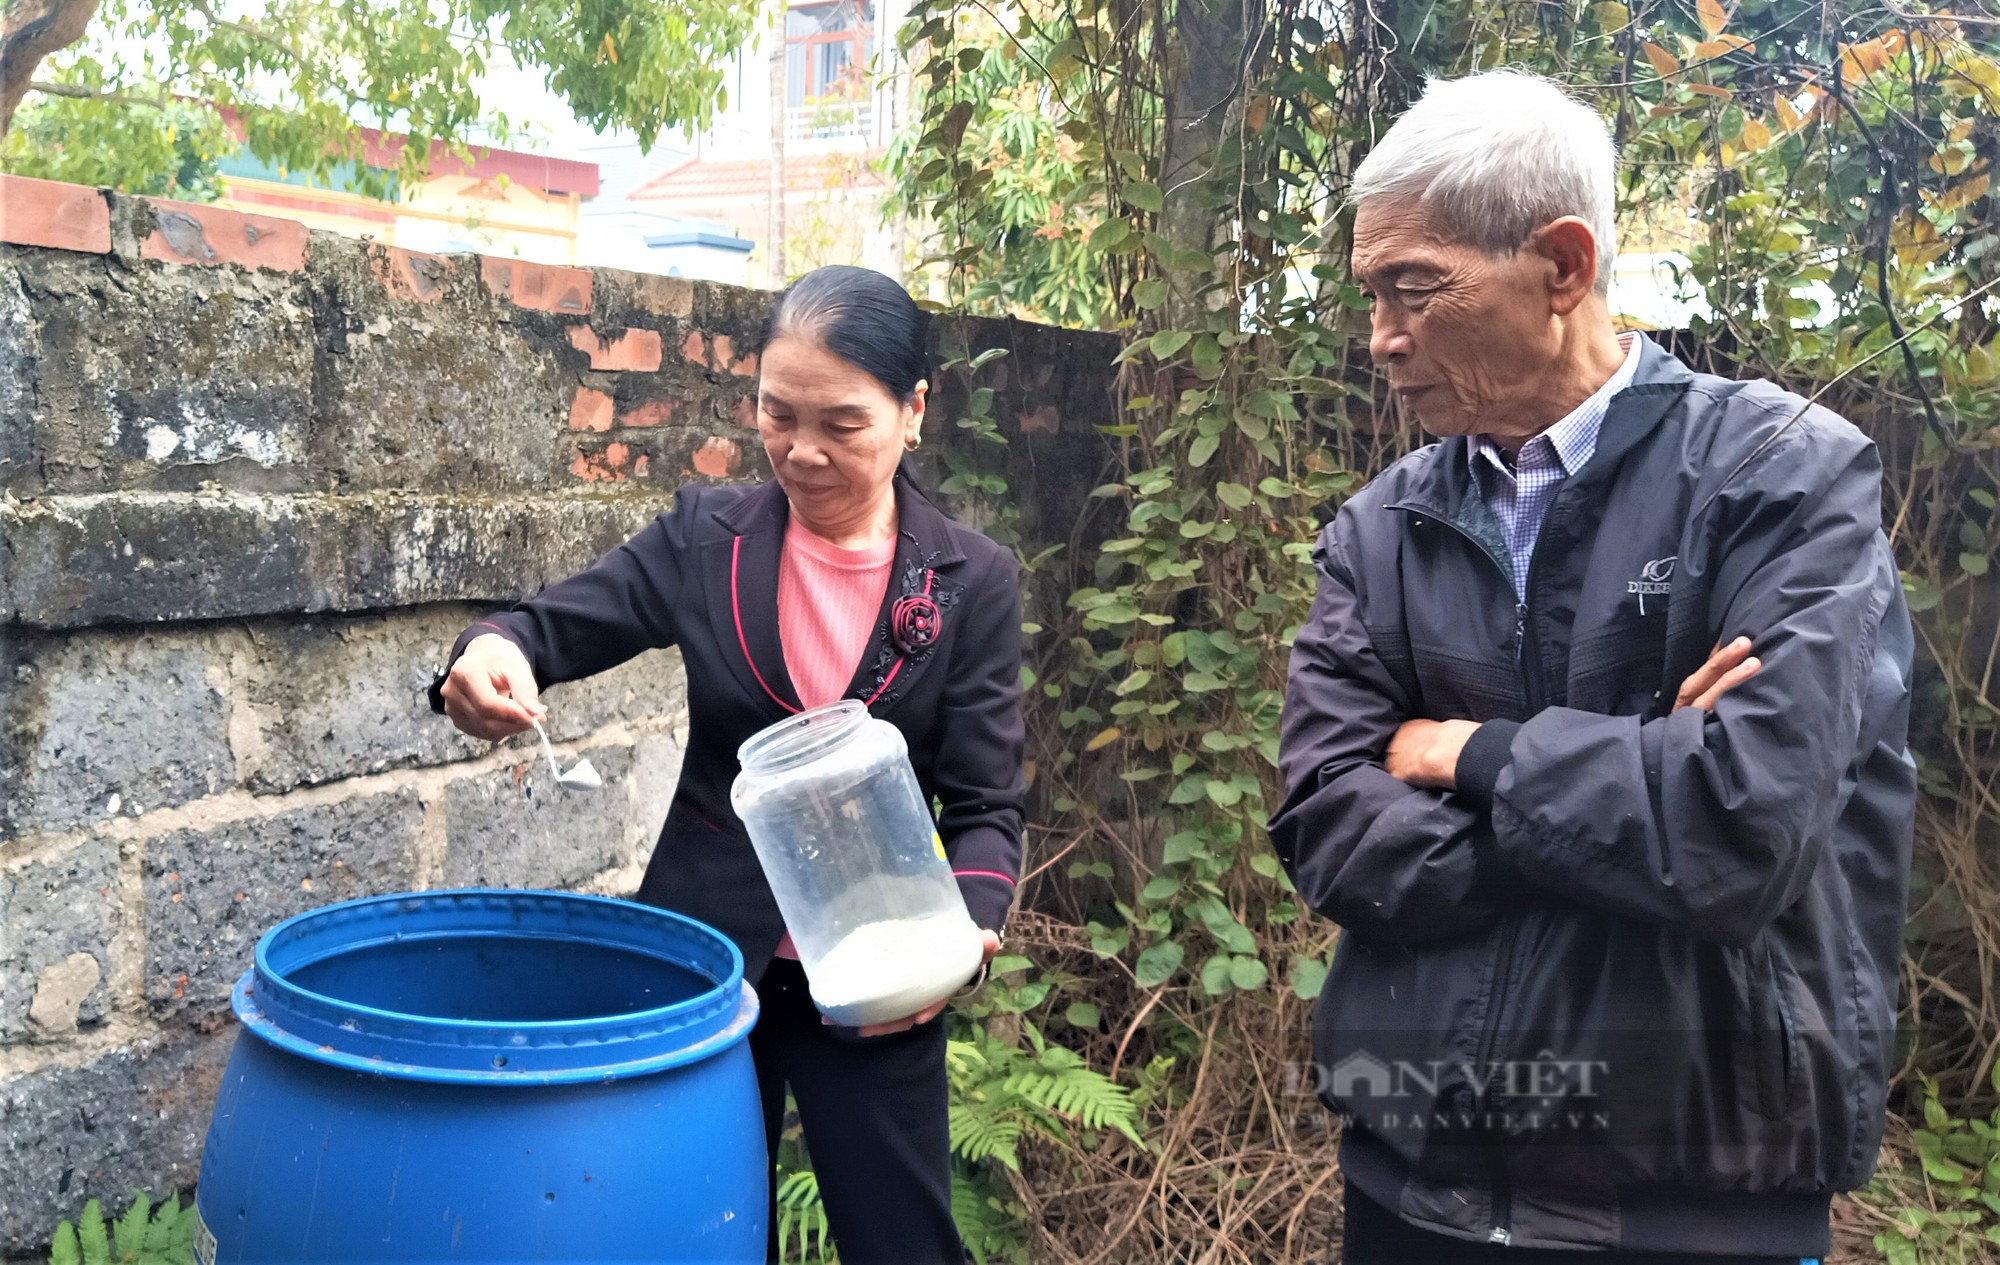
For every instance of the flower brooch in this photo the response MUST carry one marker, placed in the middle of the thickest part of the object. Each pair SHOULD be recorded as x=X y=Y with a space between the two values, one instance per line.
x=913 y=623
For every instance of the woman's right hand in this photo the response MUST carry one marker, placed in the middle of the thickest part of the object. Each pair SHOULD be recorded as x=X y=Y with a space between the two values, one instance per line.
x=490 y=692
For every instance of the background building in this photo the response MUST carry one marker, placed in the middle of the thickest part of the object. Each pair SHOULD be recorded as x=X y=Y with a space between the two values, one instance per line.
x=811 y=111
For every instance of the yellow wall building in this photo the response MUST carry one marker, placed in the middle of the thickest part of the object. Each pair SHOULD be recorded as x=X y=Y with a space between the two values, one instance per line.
x=501 y=202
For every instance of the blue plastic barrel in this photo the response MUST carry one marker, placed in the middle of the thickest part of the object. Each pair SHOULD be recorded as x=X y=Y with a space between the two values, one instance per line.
x=488 y=1076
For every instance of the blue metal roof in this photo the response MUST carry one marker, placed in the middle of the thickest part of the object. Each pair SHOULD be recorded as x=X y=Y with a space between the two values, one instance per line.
x=700 y=237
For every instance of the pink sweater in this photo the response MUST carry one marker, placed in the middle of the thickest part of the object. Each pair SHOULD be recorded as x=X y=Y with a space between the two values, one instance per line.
x=828 y=598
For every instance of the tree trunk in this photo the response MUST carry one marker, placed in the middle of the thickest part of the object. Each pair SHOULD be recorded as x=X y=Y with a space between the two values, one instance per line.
x=899 y=113
x=1204 y=91
x=776 y=231
x=29 y=31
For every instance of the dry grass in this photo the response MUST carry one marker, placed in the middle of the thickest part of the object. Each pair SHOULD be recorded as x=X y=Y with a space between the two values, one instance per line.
x=1242 y=1162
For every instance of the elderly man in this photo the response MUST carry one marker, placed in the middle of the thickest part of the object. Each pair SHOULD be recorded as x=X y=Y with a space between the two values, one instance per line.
x=1594 y=746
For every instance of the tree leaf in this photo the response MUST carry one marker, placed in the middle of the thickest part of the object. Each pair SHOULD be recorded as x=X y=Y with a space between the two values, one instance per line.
x=1158 y=963
x=1082 y=1014
x=1145 y=195
x=1111 y=943
x=1221 y=923
x=1215 y=974
x=1248 y=973
x=1665 y=64
x=1859 y=61
x=1308 y=977
x=1182 y=847
x=1104 y=738
x=1206 y=356
x=1111 y=233
x=1964 y=194
x=1168 y=341
x=1944 y=1171
x=1159 y=887
x=1713 y=19
x=1269 y=403
x=1921 y=594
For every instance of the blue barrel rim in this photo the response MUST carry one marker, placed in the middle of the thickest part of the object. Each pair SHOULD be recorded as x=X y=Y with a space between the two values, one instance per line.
x=436 y=1049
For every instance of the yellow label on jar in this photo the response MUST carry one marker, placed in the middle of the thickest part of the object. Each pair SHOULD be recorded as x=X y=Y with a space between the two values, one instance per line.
x=937 y=843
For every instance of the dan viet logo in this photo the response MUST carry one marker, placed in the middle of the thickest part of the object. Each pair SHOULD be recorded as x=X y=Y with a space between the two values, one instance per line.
x=1655 y=580
x=1540 y=1093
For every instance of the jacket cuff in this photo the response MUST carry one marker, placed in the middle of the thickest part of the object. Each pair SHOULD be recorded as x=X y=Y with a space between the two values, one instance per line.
x=436 y=692
x=1482 y=758
x=989 y=897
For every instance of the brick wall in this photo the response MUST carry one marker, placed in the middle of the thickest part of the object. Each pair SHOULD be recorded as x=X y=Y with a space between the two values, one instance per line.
x=252 y=481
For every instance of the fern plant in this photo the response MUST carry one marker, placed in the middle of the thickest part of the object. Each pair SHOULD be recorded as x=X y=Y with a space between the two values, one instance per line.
x=1001 y=1093
x=145 y=1235
x=800 y=1212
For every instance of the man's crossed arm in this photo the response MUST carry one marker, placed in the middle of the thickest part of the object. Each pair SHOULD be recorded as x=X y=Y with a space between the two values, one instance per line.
x=1426 y=752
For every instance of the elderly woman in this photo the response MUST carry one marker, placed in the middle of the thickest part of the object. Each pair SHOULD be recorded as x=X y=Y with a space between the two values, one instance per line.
x=780 y=597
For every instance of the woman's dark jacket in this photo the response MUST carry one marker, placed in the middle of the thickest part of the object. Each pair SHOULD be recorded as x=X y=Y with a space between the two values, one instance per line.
x=704 y=577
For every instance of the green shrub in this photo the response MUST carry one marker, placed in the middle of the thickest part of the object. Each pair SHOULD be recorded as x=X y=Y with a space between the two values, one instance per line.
x=1946 y=1206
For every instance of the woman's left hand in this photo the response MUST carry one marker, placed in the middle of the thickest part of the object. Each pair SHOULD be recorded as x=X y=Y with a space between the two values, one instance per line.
x=933 y=1010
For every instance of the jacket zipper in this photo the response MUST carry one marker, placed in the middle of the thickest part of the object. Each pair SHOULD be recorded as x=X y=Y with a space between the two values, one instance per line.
x=1503 y=1195
x=1528 y=661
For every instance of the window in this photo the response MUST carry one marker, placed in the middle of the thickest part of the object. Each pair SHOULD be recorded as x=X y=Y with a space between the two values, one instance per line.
x=826 y=51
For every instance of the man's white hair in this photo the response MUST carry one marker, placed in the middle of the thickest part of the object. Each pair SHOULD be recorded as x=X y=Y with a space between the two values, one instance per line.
x=1495 y=156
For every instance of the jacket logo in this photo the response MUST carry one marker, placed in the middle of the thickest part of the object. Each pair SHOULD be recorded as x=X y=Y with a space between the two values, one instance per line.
x=1655 y=580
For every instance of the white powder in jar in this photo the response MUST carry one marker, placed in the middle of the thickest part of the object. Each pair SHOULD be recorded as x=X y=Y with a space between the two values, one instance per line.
x=888 y=970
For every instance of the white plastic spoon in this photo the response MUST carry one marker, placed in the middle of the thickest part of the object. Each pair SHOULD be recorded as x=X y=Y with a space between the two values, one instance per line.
x=582 y=776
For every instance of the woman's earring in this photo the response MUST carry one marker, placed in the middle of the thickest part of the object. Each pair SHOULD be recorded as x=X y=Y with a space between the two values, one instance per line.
x=913 y=443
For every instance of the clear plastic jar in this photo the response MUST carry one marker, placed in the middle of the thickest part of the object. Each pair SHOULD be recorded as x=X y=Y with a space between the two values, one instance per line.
x=854 y=858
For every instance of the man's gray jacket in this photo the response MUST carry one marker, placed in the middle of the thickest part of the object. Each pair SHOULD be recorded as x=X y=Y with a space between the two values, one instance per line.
x=1632 y=984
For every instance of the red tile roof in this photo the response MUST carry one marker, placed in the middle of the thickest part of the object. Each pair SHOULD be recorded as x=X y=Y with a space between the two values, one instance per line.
x=537 y=171
x=708 y=178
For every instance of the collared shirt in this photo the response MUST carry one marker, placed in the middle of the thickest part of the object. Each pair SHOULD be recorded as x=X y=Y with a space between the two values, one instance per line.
x=1519 y=493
